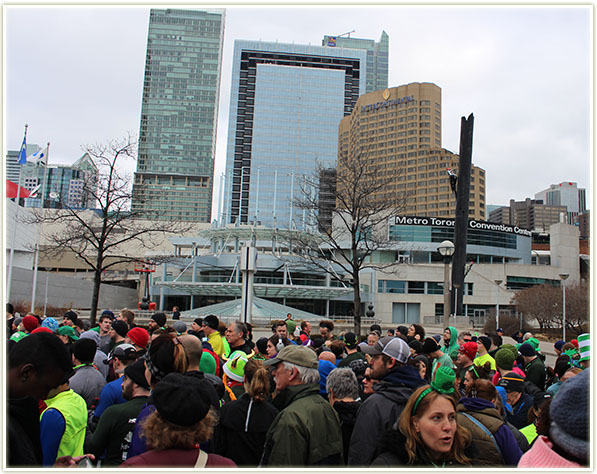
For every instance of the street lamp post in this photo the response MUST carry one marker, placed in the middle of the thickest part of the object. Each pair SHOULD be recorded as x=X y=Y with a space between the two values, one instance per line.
x=564 y=276
x=497 y=311
x=446 y=250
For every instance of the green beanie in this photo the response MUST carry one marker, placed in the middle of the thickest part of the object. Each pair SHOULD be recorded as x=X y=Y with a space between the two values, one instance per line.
x=510 y=347
x=234 y=367
x=444 y=380
x=207 y=364
x=290 y=326
x=504 y=359
x=535 y=343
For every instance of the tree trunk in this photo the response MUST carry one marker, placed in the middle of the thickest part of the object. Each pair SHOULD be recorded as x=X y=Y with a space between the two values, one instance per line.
x=97 y=281
x=357 y=304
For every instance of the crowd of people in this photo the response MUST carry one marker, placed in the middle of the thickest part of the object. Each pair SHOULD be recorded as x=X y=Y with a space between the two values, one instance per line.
x=205 y=394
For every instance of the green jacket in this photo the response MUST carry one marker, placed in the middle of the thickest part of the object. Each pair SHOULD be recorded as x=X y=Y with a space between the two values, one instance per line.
x=74 y=410
x=536 y=373
x=305 y=433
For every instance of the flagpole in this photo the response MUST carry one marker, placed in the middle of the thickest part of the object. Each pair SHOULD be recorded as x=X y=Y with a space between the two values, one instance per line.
x=14 y=230
x=43 y=193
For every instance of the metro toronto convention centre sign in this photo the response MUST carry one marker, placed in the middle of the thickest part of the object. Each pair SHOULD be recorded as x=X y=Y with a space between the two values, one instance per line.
x=472 y=223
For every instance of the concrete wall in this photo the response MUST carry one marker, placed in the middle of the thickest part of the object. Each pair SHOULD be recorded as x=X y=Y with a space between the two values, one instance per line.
x=65 y=291
x=564 y=248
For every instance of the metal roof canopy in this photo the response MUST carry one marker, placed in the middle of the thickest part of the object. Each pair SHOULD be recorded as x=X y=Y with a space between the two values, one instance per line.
x=261 y=290
x=262 y=309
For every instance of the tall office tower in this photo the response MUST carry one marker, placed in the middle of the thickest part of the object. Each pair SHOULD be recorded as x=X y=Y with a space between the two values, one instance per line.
x=377 y=56
x=565 y=194
x=286 y=103
x=177 y=137
x=398 y=131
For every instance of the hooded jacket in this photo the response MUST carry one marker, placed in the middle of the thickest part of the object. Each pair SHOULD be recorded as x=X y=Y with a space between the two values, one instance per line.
x=380 y=411
x=305 y=433
x=507 y=451
x=347 y=412
x=452 y=348
x=392 y=453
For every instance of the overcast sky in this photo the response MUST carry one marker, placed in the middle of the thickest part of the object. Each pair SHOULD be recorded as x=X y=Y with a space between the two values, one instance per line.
x=75 y=75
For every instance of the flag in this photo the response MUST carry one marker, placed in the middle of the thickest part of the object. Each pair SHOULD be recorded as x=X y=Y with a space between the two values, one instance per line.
x=39 y=157
x=23 y=152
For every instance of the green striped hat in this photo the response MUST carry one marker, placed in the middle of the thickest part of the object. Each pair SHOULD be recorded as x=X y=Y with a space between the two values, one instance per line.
x=584 y=346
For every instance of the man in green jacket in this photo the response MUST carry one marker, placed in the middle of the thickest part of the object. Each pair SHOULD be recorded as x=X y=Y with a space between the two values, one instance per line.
x=306 y=432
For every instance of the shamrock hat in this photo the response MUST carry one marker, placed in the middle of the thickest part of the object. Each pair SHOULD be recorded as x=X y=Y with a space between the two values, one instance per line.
x=234 y=367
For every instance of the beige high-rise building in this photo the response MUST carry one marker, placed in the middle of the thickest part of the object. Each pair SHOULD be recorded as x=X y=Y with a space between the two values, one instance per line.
x=398 y=131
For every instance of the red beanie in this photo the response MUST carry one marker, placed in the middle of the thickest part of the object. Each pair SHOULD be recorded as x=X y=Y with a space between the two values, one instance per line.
x=469 y=349
x=42 y=329
x=574 y=342
x=139 y=336
x=30 y=323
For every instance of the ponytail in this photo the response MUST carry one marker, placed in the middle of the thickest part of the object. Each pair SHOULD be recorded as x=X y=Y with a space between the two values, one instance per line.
x=256 y=380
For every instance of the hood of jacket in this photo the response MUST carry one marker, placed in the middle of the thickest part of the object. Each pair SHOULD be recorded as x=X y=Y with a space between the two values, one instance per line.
x=347 y=411
x=399 y=383
x=452 y=348
x=474 y=403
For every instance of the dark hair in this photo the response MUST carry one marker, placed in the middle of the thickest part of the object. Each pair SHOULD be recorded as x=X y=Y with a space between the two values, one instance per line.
x=249 y=333
x=166 y=354
x=375 y=327
x=275 y=340
x=10 y=308
x=128 y=315
x=420 y=330
x=327 y=324
x=337 y=347
x=261 y=345
x=304 y=325
x=84 y=350
x=480 y=372
x=277 y=323
x=497 y=340
x=481 y=388
x=43 y=350
x=105 y=316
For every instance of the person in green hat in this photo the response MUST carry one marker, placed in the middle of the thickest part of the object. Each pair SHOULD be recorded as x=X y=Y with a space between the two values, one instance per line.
x=451 y=342
x=234 y=375
x=68 y=336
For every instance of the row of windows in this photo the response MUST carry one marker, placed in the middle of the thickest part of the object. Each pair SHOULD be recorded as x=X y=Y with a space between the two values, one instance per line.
x=439 y=234
x=416 y=287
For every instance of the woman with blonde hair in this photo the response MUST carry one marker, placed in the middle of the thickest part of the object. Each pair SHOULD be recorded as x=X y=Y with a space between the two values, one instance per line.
x=240 y=435
x=427 y=433
x=183 y=419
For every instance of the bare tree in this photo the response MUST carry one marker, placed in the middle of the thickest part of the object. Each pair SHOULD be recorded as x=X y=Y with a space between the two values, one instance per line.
x=544 y=302
x=347 y=211
x=98 y=237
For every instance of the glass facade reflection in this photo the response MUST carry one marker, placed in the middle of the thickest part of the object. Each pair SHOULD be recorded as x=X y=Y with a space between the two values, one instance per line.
x=179 y=111
x=286 y=103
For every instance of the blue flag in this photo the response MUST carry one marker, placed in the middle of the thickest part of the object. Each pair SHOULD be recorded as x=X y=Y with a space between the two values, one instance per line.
x=23 y=152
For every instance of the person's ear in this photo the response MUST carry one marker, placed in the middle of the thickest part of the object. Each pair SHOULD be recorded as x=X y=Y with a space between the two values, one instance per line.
x=415 y=423
x=26 y=371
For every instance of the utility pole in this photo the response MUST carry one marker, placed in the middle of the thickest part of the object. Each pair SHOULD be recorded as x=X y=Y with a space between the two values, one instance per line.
x=462 y=207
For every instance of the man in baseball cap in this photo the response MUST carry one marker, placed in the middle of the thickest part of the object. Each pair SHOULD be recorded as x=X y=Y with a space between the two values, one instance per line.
x=516 y=396
x=397 y=382
x=293 y=439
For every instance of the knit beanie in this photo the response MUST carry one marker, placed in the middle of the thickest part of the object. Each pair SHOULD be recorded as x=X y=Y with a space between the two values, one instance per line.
x=533 y=341
x=120 y=327
x=562 y=365
x=485 y=341
x=290 y=325
x=211 y=321
x=108 y=313
x=504 y=359
x=30 y=323
x=417 y=346
x=512 y=382
x=469 y=349
x=430 y=345
x=136 y=372
x=41 y=329
x=207 y=363
x=72 y=316
x=570 y=419
x=574 y=342
x=444 y=378
x=558 y=345
x=234 y=367
x=17 y=336
x=160 y=319
x=527 y=350
x=182 y=400
x=437 y=337
x=510 y=347
x=350 y=340
x=584 y=346
x=50 y=323
x=94 y=336
x=262 y=345
x=139 y=336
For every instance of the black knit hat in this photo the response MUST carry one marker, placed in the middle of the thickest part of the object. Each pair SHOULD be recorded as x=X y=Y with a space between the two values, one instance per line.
x=350 y=340
x=160 y=319
x=182 y=400
x=512 y=382
x=527 y=350
x=211 y=321
x=136 y=372
x=417 y=346
x=429 y=346
x=486 y=341
x=72 y=316
x=121 y=327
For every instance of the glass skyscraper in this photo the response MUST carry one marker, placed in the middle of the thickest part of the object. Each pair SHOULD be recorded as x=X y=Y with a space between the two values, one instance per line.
x=286 y=103
x=177 y=136
x=377 y=56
